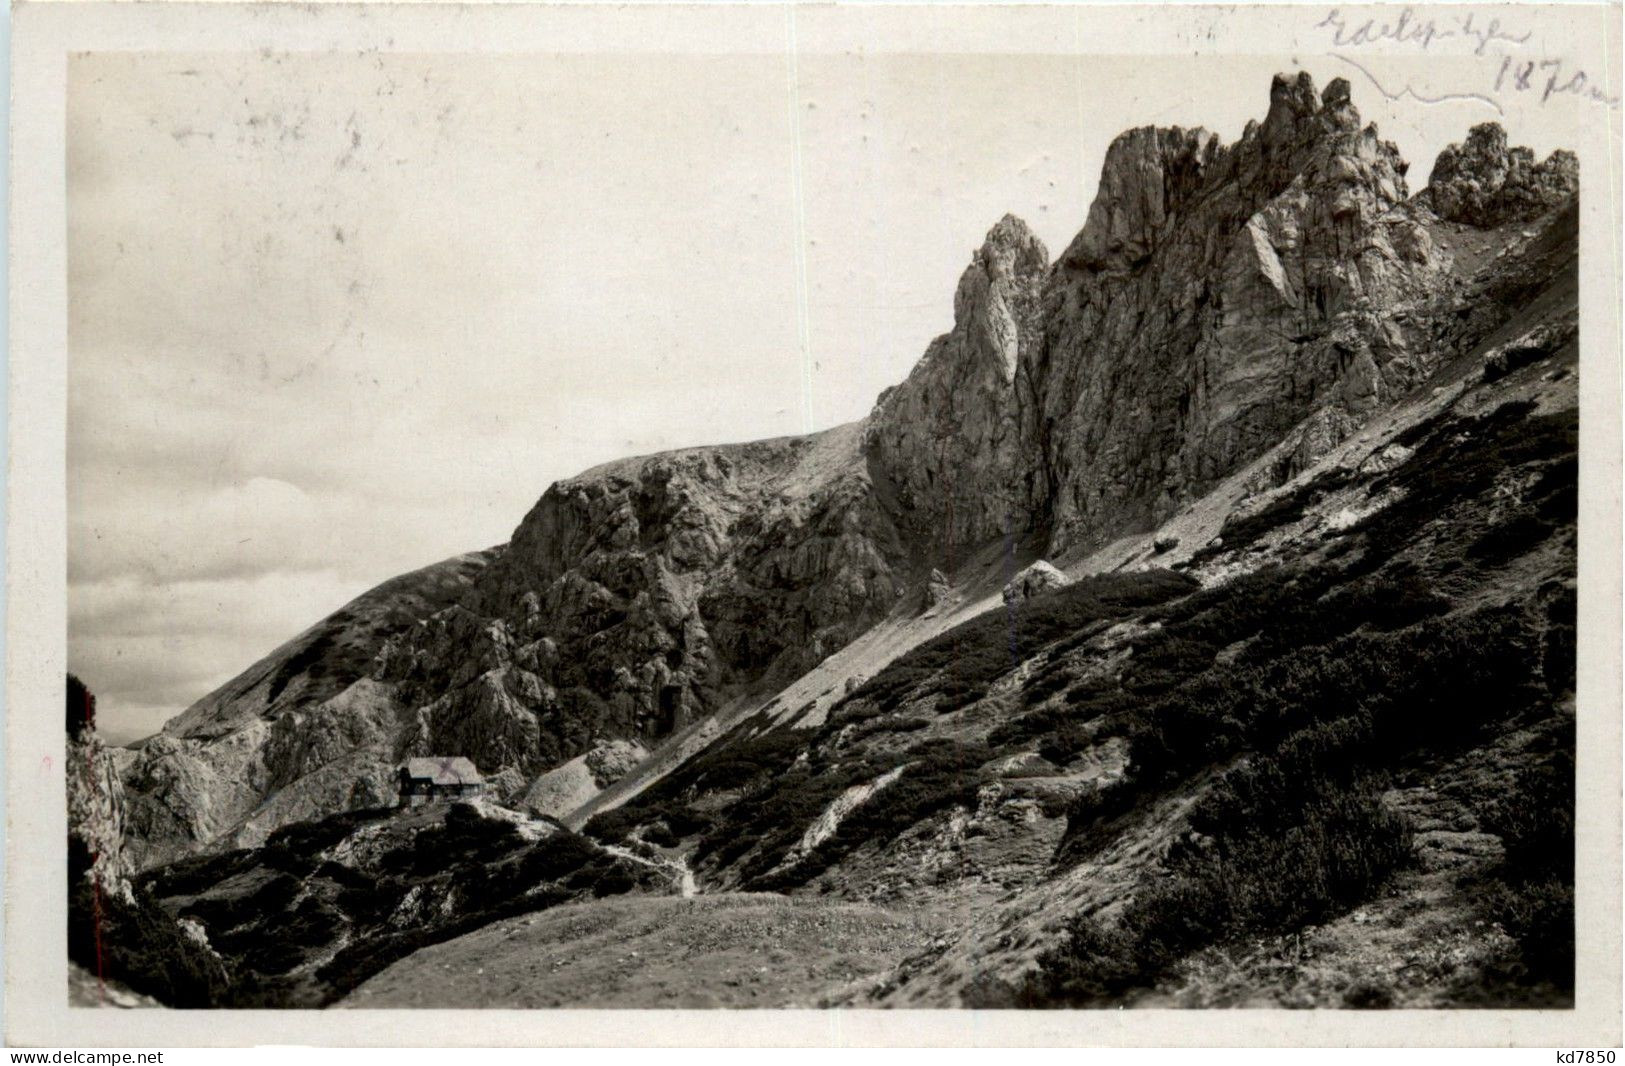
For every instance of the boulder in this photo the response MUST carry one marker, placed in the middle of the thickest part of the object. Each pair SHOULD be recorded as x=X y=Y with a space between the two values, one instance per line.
x=1035 y=580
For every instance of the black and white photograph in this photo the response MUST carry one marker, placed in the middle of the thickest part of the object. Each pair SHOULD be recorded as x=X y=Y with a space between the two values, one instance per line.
x=839 y=528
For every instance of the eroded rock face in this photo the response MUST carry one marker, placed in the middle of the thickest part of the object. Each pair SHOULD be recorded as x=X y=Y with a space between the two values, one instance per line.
x=1484 y=183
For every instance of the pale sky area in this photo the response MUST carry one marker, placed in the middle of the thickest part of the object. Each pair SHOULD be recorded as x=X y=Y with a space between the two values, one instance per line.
x=334 y=318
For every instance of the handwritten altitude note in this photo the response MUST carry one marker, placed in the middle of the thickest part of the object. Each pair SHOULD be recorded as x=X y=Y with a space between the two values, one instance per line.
x=1512 y=66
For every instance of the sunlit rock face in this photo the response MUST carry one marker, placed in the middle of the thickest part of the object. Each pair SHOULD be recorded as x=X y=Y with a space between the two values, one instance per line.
x=1217 y=297
x=947 y=444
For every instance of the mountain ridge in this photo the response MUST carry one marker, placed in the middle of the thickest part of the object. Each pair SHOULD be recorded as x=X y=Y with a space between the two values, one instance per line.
x=1219 y=304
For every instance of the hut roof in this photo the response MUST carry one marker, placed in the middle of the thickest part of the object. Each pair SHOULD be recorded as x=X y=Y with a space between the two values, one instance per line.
x=444 y=770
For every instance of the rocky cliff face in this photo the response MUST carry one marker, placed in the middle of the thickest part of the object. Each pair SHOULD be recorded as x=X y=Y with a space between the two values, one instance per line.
x=303 y=732
x=948 y=444
x=1221 y=303
x=670 y=584
x=123 y=949
x=1217 y=297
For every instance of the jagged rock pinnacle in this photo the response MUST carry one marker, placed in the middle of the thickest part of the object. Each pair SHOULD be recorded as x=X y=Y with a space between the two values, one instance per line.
x=1482 y=182
x=1291 y=101
x=1011 y=240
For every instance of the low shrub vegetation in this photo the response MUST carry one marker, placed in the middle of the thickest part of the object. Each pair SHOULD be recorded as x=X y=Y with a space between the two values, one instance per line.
x=961 y=663
x=274 y=929
x=937 y=775
x=1330 y=679
x=1532 y=893
x=140 y=944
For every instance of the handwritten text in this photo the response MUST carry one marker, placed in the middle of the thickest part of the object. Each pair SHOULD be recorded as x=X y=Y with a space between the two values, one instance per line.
x=1408 y=28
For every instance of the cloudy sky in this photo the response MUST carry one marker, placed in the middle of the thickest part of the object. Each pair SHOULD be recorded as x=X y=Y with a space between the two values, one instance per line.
x=336 y=317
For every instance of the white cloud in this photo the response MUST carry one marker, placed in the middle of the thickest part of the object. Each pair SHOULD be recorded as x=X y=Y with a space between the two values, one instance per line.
x=261 y=526
x=148 y=651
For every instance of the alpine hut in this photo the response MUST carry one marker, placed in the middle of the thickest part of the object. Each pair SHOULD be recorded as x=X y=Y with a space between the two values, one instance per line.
x=438 y=777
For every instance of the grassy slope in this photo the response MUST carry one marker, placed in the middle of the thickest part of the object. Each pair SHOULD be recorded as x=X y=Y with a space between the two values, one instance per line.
x=735 y=950
x=324 y=905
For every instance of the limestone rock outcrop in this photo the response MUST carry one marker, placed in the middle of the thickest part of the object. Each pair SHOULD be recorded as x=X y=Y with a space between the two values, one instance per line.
x=1482 y=182
x=946 y=445
x=1216 y=298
